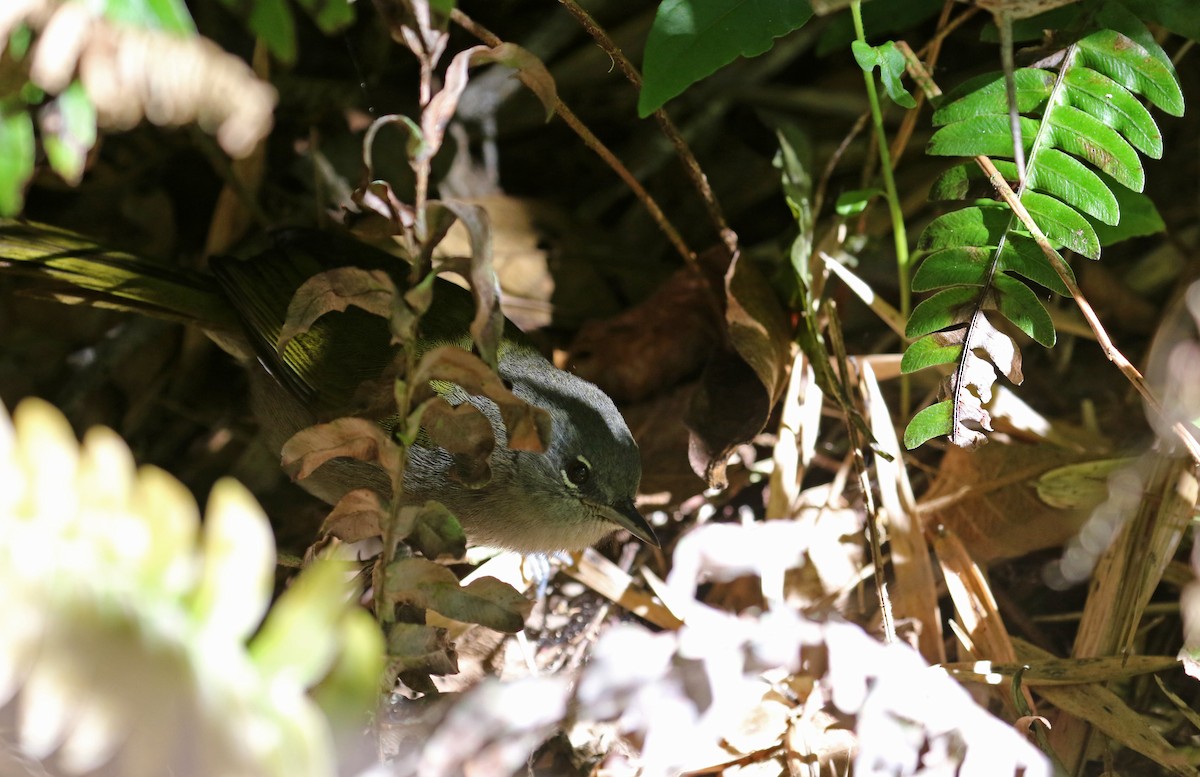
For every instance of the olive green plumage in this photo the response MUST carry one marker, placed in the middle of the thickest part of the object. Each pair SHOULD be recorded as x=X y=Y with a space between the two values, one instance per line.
x=573 y=494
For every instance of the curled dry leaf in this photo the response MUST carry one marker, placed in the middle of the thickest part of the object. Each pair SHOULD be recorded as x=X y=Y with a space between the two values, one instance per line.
x=354 y=438
x=357 y=516
x=747 y=374
x=334 y=291
x=488 y=323
x=131 y=73
x=528 y=427
x=442 y=107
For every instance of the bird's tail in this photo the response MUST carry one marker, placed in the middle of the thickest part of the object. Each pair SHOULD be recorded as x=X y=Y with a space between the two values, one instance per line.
x=49 y=262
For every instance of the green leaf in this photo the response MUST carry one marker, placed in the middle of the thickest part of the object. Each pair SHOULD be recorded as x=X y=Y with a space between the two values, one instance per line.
x=979 y=225
x=890 y=62
x=16 y=158
x=1085 y=136
x=691 y=39
x=167 y=15
x=69 y=131
x=853 y=202
x=1022 y=307
x=329 y=15
x=929 y=352
x=1022 y=255
x=987 y=134
x=1139 y=217
x=1062 y=224
x=985 y=94
x=934 y=421
x=270 y=20
x=1100 y=96
x=942 y=310
x=1178 y=16
x=956 y=266
x=298 y=639
x=1066 y=178
x=1132 y=66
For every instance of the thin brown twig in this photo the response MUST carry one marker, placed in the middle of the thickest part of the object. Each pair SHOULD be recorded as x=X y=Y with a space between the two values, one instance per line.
x=683 y=151
x=592 y=142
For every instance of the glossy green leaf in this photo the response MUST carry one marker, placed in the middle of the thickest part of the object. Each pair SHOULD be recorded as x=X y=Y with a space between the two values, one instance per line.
x=16 y=157
x=985 y=94
x=956 y=266
x=1022 y=255
x=1100 y=96
x=929 y=352
x=1068 y=179
x=691 y=39
x=987 y=134
x=942 y=310
x=1062 y=224
x=934 y=421
x=979 y=225
x=69 y=131
x=1086 y=136
x=1022 y=307
x=890 y=62
x=1132 y=66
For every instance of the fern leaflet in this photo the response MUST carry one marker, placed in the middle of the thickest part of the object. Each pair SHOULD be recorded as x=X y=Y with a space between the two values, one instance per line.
x=1082 y=129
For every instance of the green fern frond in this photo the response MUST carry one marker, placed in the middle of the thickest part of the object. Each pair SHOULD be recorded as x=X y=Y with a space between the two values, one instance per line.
x=1082 y=128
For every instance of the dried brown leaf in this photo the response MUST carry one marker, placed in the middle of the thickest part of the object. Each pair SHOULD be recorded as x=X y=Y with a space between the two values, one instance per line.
x=334 y=291
x=488 y=325
x=357 y=516
x=355 y=438
x=528 y=426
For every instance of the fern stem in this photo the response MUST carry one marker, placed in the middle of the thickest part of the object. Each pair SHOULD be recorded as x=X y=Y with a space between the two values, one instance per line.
x=899 y=235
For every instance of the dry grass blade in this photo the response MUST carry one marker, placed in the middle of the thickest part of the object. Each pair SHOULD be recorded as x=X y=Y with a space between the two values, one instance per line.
x=914 y=596
x=1107 y=712
x=1126 y=576
x=974 y=604
x=607 y=579
x=1061 y=671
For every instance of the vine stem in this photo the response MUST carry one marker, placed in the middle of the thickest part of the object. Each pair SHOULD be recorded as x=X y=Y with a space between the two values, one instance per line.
x=592 y=142
x=683 y=151
x=899 y=234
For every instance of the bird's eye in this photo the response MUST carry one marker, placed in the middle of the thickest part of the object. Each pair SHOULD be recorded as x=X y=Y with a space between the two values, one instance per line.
x=578 y=471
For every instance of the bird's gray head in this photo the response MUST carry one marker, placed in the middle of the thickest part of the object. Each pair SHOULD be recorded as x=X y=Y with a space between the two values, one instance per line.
x=570 y=496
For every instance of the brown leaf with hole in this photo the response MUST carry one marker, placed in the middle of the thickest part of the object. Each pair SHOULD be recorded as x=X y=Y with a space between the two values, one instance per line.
x=528 y=427
x=334 y=291
x=354 y=438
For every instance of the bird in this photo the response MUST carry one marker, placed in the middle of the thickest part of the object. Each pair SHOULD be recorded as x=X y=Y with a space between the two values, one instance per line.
x=569 y=496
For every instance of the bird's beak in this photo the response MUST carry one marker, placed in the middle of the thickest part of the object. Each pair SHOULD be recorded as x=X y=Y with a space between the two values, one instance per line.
x=625 y=515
